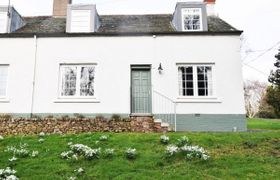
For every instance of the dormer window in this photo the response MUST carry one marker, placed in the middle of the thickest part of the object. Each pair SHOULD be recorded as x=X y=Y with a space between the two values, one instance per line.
x=82 y=18
x=10 y=19
x=80 y=21
x=191 y=19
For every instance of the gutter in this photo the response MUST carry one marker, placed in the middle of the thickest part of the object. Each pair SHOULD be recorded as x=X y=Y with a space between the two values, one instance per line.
x=112 y=34
x=34 y=75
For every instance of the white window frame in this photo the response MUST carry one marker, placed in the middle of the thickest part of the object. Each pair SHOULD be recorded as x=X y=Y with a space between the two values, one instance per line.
x=195 y=81
x=4 y=98
x=77 y=96
x=183 y=12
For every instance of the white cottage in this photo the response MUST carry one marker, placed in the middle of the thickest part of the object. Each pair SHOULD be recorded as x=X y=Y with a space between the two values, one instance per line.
x=182 y=68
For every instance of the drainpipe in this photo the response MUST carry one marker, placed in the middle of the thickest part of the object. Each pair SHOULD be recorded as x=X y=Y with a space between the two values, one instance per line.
x=34 y=75
x=8 y=17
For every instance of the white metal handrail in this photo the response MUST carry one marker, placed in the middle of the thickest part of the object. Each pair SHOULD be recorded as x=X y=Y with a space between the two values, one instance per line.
x=165 y=108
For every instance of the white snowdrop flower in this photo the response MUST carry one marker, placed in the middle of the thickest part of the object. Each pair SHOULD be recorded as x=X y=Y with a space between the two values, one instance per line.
x=103 y=138
x=13 y=159
x=164 y=139
x=75 y=156
x=42 y=134
x=11 y=177
x=34 y=153
x=80 y=170
x=171 y=150
x=41 y=140
x=72 y=178
x=1 y=137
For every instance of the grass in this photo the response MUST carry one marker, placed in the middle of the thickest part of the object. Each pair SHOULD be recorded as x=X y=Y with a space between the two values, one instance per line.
x=264 y=124
x=233 y=156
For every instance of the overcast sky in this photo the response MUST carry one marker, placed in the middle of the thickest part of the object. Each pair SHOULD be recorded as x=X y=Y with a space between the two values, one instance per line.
x=258 y=18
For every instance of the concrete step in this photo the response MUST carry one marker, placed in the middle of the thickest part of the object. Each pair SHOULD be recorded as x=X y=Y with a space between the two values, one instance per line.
x=163 y=124
x=157 y=120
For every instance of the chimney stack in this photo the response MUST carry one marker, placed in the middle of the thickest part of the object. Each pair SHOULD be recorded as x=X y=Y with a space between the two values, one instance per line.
x=60 y=7
x=210 y=4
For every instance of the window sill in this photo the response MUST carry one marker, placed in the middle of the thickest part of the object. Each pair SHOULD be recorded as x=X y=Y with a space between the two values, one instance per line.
x=198 y=100
x=4 y=100
x=77 y=100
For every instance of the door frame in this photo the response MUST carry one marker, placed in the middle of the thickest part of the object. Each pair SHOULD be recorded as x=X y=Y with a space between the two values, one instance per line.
x=147 y=67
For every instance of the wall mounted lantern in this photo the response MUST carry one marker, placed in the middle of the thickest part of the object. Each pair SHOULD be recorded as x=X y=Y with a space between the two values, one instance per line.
x=160 y=69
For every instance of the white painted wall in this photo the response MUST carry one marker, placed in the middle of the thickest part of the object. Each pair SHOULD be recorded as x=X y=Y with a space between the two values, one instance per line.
x=113 y=56
x=3 y=22
x=18 y=53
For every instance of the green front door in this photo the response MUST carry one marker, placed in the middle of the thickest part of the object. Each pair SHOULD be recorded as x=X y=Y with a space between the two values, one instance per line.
x=141 y=91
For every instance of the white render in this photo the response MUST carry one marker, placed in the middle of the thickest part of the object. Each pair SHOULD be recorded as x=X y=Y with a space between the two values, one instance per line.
x=113 y=56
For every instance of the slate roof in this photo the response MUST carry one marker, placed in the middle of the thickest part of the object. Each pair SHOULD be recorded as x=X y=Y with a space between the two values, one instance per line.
x=120 y=24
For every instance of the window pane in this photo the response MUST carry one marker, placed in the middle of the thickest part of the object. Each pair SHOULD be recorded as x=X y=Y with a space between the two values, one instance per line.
x=3 y=80
x=201 y=92
x=186 y=81
x=192 y=19
x=204 y=83
x=189 y=92
x=87 y=81
x=69 y=78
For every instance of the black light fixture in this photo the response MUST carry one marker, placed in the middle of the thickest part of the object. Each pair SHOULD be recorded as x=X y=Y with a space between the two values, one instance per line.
x=160 y=69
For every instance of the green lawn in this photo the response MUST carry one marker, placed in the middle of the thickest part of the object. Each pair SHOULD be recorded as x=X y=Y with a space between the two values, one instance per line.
x=268 y=124
x=233 y=156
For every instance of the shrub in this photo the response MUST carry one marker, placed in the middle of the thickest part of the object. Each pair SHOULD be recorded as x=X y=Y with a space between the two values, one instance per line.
x=130 y=153
x=182 y=141
x=164 y=139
